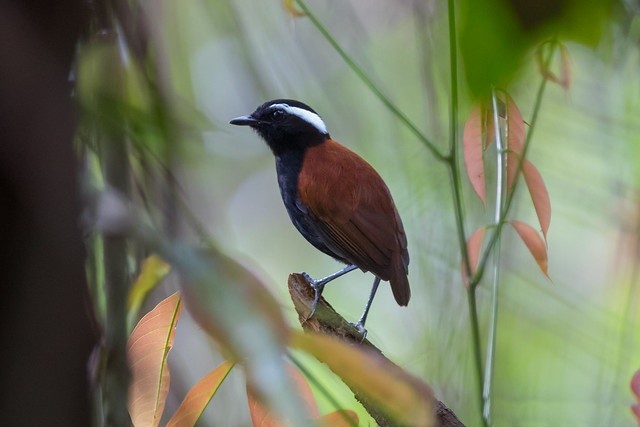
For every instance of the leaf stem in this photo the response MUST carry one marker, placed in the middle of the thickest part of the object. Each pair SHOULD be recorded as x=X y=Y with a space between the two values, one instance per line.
x=370 y=84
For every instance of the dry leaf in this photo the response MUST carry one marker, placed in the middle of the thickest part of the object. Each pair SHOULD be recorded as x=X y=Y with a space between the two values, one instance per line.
x=147 y=351
x=539 y=195
x=534 y=243
x=199 y=396
x=565 y=65
x=473 y=152
x=401 y=396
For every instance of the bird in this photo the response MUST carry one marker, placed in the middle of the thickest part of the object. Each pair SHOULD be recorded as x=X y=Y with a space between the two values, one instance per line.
x=334 y=198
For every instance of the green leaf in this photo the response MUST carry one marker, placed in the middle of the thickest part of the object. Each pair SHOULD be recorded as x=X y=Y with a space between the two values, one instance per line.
x=153 y=270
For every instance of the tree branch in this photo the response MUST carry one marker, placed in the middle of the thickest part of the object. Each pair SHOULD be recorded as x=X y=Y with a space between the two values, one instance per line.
x=327 y=321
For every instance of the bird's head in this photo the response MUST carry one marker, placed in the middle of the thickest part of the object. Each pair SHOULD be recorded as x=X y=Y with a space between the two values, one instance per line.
x=286 y=124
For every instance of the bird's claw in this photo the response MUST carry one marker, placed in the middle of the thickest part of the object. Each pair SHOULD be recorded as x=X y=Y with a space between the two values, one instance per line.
x=317 y=286
x=309 y=279
x=361 y=330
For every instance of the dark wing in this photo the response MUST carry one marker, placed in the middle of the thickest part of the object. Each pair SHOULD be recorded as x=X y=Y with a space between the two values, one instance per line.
x=354 y=211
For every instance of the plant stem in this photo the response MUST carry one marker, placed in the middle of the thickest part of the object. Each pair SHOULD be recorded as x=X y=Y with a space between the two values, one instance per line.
x=452 y=163
x=370 y=84
x=499 y=202
x=475 y=339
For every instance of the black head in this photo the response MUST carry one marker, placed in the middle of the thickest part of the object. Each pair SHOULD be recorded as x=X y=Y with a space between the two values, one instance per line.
x=286 y=124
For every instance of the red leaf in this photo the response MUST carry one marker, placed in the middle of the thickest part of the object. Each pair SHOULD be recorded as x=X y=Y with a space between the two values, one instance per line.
x=539 y=195
x=635 y=384
x=474 y=246
x=472 y=144
x=534 y=243
x=199 y=396
x=515 y=141
x=515 y=127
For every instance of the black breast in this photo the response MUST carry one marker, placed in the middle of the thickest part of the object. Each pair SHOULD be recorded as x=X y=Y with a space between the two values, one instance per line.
x=288 y=166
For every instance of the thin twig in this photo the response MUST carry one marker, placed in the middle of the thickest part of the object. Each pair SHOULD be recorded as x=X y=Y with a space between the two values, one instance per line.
x=499 y=202
x=369 y=83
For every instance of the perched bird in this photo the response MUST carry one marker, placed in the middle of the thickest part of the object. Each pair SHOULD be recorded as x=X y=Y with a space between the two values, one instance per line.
x=335 y=199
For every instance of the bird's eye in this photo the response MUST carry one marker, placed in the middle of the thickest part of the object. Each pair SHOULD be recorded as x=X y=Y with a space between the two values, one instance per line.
x=277 y=115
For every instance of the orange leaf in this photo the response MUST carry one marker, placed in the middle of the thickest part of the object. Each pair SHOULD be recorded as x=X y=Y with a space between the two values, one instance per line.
x=147 y=351
x=341 y=418
x=515 y=140
x=262 y=417
x=399 y=395
x=534 y=243
x=539 y=195
x=474 y=246
x=199 y=396
x=290 y=7
x=472 y=144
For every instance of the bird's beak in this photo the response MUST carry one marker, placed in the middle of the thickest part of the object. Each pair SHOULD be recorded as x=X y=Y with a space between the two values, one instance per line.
x=244 y=121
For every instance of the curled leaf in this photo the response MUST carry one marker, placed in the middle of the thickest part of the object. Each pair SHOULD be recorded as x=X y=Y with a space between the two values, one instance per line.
x=401 y=396
x=199 y=396
x=539 y=195
x=564 y=79
x=534 y=243
x=473 y=149
x=147 y=351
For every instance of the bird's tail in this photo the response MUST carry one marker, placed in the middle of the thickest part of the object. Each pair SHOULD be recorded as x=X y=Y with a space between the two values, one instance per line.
x=400 y=283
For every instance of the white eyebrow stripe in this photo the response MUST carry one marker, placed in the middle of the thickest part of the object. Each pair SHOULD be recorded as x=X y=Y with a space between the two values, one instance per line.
x=306 y=115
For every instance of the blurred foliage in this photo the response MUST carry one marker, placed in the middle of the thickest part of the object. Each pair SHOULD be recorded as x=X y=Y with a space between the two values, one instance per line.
x=495 y=35
x=566 y=350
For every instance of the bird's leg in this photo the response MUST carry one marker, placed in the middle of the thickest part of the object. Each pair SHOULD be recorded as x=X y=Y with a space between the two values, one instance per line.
x=318 y=285
x=360 y=324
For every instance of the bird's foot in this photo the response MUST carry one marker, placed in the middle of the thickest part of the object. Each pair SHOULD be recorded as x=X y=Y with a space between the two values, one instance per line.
x=361 y=330
x=318 y=286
